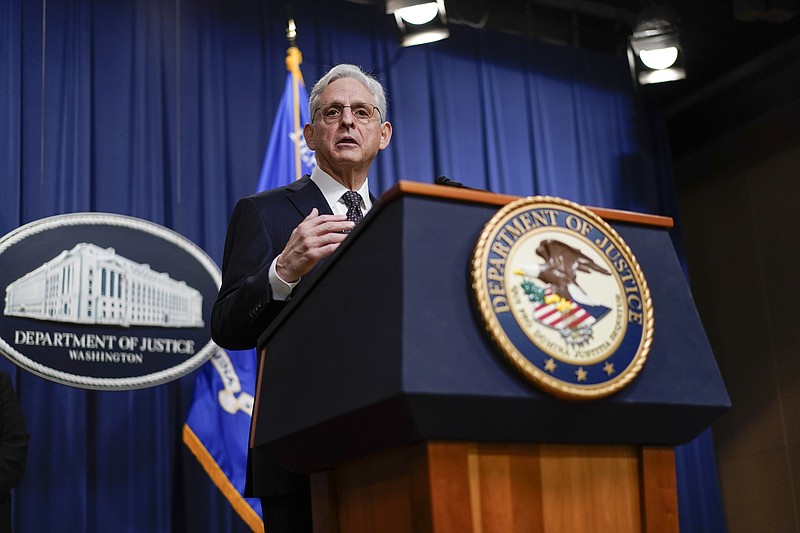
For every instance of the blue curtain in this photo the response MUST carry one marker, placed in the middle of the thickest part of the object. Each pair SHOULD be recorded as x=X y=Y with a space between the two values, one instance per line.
x=161 y=109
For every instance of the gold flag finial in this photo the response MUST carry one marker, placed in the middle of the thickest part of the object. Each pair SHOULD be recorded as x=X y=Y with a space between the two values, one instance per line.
x=293 y=56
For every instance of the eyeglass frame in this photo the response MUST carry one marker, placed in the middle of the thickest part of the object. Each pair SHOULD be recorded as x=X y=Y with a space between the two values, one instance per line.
x=374 y=108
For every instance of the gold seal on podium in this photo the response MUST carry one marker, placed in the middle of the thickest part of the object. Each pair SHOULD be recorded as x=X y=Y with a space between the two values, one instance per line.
x=563 y=297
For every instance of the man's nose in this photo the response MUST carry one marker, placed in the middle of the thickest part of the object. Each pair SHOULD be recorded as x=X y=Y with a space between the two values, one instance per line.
x=348 y=120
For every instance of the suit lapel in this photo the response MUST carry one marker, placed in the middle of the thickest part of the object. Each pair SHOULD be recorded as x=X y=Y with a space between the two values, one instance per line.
x=305 y=196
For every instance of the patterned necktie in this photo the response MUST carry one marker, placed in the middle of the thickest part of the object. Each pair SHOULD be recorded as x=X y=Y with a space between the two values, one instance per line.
x=353 y=202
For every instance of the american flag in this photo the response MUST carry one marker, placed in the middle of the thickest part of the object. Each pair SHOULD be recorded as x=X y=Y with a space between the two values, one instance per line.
x=556 y=312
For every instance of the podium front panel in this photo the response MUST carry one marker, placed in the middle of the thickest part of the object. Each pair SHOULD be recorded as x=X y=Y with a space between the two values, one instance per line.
x=385 y=349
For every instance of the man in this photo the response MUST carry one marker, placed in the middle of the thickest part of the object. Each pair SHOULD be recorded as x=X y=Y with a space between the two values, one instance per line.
x=277 y=239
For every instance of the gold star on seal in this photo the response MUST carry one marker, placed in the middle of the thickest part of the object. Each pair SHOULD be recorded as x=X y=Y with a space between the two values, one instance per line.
x=608 y=368
x=550 y=365
x=581 y=373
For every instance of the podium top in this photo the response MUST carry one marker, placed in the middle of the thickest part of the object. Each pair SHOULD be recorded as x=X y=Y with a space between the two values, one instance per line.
x=490 y=198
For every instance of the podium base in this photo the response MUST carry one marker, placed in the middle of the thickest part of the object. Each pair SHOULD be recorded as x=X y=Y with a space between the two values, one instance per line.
x=471 y=487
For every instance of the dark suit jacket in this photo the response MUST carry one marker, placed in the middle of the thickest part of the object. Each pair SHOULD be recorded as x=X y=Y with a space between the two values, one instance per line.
x=13 y=447
x=258 y=231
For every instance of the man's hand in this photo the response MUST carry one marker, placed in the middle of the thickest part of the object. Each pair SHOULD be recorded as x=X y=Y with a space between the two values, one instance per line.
x=317 y=237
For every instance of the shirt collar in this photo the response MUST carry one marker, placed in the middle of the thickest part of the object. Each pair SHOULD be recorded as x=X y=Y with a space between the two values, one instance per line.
x=333 y=190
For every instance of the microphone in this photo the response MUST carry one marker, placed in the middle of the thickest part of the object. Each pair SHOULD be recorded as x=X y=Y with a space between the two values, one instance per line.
x=442 y=180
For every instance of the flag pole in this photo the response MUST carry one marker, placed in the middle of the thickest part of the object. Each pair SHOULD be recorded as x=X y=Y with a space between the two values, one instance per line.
x=293 y=60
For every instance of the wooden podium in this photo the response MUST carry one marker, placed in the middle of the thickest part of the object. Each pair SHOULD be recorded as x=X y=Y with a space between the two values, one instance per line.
x=408 y=420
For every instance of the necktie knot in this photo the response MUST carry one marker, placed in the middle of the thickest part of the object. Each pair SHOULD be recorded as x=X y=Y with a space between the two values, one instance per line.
x=353 y=202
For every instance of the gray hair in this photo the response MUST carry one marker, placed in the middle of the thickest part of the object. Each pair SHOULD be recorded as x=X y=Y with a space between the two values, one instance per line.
x=348 y=71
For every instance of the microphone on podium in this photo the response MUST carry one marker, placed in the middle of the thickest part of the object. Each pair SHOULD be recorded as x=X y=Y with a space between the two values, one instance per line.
x=442 y=180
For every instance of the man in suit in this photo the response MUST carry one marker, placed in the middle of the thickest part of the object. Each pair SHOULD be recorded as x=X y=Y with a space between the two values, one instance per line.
x=277 y=239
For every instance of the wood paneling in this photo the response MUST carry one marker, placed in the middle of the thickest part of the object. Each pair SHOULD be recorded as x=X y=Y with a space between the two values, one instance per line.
x=468 y=487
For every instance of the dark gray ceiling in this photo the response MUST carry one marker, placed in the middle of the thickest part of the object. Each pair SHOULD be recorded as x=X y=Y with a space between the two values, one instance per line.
x=736 y=69
x=715 y=41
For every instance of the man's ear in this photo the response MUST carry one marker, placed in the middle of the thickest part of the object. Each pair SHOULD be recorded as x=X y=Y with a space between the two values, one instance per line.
x=386 y=135
x=308 y=133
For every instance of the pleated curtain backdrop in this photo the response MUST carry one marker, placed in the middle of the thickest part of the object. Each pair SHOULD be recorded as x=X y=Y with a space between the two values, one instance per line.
x=161 y=109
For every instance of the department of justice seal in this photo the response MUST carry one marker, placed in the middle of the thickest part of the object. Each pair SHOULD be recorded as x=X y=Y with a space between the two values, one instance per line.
x=563 y=297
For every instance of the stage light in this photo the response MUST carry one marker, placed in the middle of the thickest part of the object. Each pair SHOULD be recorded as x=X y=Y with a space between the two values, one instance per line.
x=655 y=51
x=419 y=14
x=659 y=59
x=419 y=22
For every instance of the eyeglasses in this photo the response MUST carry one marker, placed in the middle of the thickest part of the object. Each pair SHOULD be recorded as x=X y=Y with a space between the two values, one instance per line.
x=332 y=113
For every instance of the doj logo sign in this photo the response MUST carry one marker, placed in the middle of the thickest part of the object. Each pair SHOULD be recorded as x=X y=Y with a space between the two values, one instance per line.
x=103 y=301
x=563 y=297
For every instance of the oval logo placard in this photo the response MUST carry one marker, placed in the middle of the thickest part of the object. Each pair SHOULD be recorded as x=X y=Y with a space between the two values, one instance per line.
x=563 y=297
x=104 y=301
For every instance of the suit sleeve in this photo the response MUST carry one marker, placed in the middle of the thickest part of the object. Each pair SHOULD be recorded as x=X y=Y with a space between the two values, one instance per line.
x=244 y=307
x=13 y=437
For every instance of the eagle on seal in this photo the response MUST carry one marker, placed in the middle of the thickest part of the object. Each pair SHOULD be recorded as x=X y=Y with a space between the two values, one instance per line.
x=561 y=266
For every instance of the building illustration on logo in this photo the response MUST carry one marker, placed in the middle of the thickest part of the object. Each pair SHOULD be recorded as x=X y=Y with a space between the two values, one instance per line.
x=93 y=285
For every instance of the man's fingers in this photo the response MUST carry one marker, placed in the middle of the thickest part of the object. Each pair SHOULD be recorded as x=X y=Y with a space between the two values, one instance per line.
x=338 y=227
x=324 y=224
x=325 y=219
x=314 y=214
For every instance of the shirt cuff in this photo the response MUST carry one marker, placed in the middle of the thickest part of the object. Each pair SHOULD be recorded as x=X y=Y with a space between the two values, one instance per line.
x=281 y=290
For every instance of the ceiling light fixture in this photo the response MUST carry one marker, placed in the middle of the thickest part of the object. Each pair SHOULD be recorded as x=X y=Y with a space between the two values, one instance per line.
x=418 y=14
x=655 y=52
x=419 y=22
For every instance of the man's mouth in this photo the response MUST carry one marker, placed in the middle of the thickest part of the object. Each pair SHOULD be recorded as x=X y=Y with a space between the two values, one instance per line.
x=347 y=140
